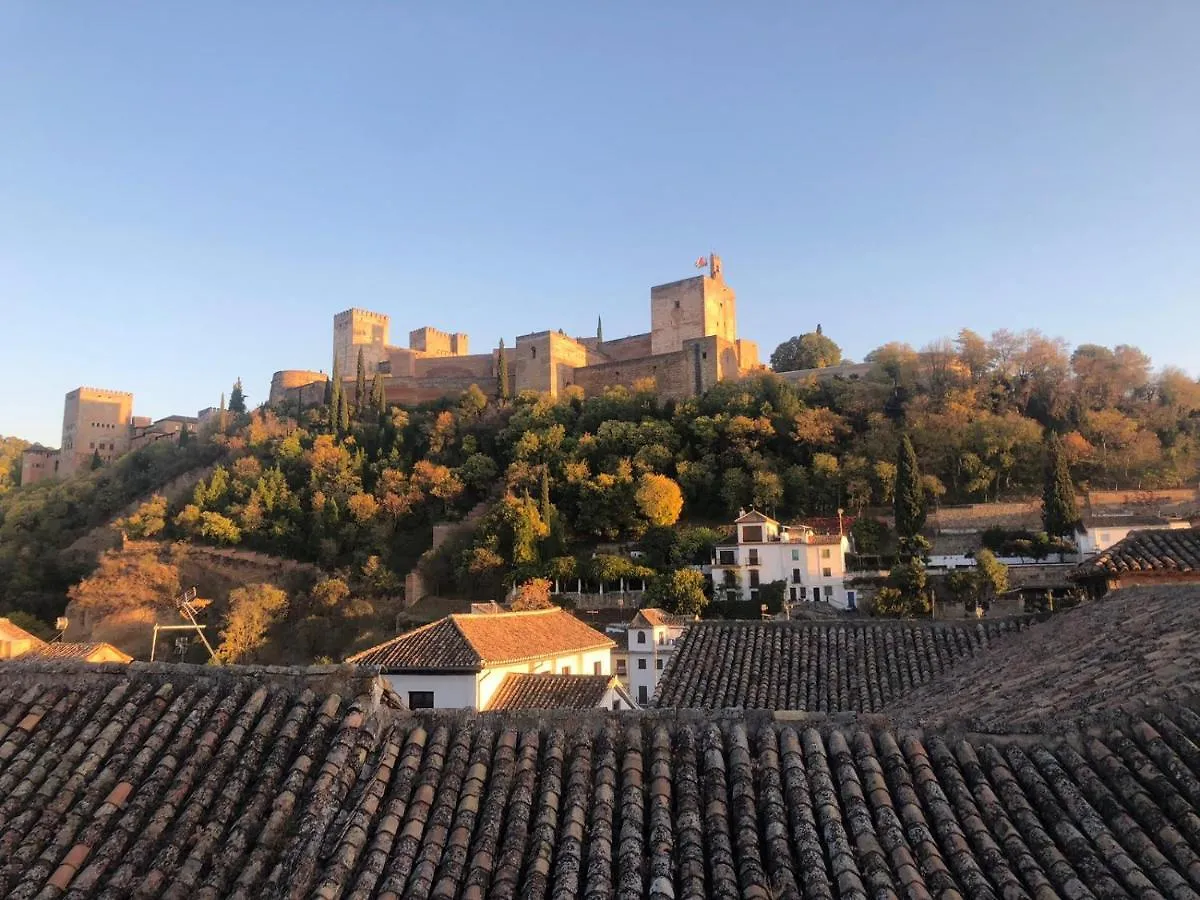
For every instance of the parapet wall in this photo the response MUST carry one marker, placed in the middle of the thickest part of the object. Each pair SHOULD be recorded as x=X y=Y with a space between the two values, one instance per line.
x=292 y=384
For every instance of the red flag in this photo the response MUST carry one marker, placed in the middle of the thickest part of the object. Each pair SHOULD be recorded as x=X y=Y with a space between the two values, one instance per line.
x=701 y=262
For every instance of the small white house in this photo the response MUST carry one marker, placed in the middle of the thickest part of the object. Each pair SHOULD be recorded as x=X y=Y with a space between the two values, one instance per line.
x=1095 y=534
x=813 y=566
x=461 y=661
x=650 y=641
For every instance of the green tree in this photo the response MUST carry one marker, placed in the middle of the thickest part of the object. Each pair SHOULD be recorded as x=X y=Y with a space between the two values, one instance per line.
x=910 y=492
x=360 y=385
x=378 y=395
x=812 y=350
x=219 y=529
x=237 y=398
x=1059 y=513
x=502 y=388
x=343 y=414
x=147 y=521
x=680 y=591
x=991 y=576
x=253 y=610
x=336 y=390
x=97 y=462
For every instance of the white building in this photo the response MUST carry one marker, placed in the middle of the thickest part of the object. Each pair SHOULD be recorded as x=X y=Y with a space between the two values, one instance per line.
x=1095 y=534
x=813 y=566
x=461 y=661
x=650 y=641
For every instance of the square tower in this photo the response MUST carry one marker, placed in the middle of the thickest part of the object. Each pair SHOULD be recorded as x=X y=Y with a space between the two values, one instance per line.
x=703 y=306
x=357 y=328
x=94 y=421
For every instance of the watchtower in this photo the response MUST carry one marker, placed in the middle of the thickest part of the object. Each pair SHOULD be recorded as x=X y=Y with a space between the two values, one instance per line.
x=357 y=328
x=691 y=308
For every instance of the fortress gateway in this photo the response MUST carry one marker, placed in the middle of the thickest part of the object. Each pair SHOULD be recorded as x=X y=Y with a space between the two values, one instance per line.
x=691 y=345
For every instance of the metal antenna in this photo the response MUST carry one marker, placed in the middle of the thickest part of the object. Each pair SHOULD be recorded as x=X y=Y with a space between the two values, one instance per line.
x=185 y=603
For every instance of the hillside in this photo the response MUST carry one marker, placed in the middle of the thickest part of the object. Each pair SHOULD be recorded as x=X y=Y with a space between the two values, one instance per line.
x=356 y=486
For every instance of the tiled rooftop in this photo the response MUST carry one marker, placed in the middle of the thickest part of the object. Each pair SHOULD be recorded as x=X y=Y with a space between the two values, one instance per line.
x=815 y=666
x=1135 y=646
x=71 y=650
x=1155 y=553
x=472 y=641
x=521 y=690
x=650 y=617
x=196 y=789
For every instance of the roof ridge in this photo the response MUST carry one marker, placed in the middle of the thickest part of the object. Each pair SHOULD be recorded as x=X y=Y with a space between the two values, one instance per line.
x=467 y=640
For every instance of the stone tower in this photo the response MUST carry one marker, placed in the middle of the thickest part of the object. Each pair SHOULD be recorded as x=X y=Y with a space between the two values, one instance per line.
x=697 y=307
x=357 y=328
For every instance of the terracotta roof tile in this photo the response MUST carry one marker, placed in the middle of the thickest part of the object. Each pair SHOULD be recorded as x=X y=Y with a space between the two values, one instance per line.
x=650 y=617
x=474 y=641
x=815 y=666
x=1166 y=552
x=521 y=690
x=186 y=783
x=67 y=650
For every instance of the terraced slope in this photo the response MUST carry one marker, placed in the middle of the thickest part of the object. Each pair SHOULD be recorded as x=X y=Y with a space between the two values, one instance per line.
x=1135 y=646
x=819 y=667
x=203 y=788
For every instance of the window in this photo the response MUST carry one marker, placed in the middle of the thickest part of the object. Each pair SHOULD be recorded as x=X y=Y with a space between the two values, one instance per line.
x=642 y=663
x=828 y=591
x=658 y=664
x=828 y=573
x=596 y=667
x=621 y=669
x=795 y=576
x=803 y=593
x=792 y=594
x=754 y=557
x=566 y=670
x=795 y=554
x=752 y=534
x=851 y=599
x=641 y=637
x=754 y=595
x=754 y=578
x=533 y=352
x=727 y=558
x=825 y=553
x=420 y=699
x=677 y=304
x=643 y=694
x=616 y=704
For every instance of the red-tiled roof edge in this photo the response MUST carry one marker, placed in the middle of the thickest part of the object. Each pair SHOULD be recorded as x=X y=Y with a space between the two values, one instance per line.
x=408 y=635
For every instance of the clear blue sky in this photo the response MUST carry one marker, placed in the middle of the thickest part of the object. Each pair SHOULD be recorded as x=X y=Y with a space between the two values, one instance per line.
x=188 y=192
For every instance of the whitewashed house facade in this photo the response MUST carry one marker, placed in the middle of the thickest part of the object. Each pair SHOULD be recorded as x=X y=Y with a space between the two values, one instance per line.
x=650 y=640
x=1095 y=534
x=813 y=566
x=462 y=661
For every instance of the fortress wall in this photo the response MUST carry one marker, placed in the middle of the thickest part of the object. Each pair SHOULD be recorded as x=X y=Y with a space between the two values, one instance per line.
x=478 y=365
x=671 y=373
x=546 y=361
x=635 y=346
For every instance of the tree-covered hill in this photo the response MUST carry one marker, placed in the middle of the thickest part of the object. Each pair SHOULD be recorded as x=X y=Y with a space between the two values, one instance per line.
x=355 y=485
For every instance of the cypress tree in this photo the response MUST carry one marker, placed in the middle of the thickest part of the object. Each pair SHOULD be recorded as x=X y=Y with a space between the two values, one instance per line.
x=237 y=398
x=328 y=401
x=599 y=331
x=360 y=385
x=502 y=375
x=97 y=462
x=378 y=395
x=1059 y=513
x=335 y=397
x=910 y=494
x=343 y=414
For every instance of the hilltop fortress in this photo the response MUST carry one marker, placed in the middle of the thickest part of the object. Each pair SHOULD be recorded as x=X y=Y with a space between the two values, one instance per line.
x=692 y=344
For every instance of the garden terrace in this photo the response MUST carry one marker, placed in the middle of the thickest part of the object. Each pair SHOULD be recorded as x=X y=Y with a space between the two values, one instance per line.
x=816 y=666
x=191 y=787
x=1136 y=647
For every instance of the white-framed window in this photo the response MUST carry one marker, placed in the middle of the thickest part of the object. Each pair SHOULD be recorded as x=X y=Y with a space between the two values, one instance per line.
x=795 y=554
x=827 y=572
x=826 y=553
